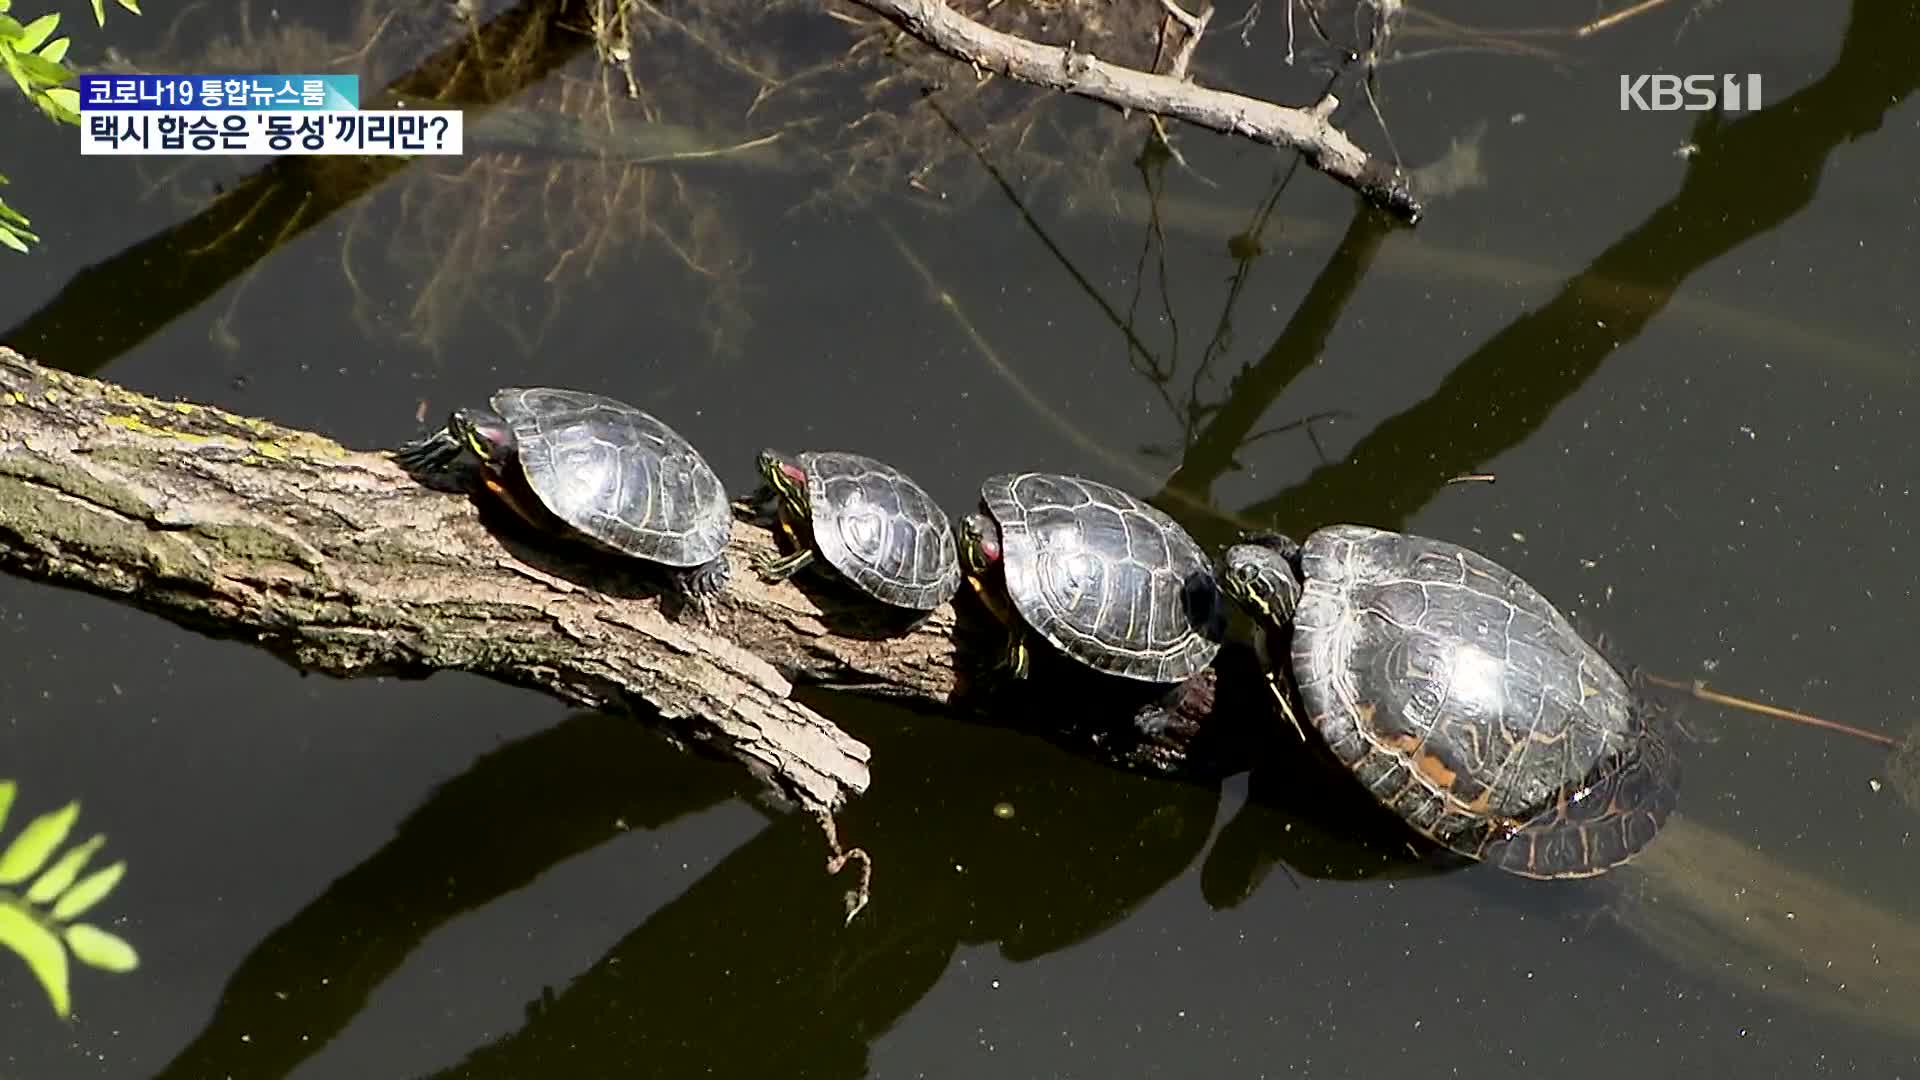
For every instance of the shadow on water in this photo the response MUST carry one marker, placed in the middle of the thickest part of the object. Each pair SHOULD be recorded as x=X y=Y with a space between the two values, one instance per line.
x=488 y=832
x=985 y=837
x=1750 y=175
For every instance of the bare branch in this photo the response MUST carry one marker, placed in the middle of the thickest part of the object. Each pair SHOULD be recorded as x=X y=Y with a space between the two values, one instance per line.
x=1310 y=132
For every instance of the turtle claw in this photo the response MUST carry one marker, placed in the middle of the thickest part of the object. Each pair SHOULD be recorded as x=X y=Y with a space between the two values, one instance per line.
x=430 y=453
x=1013 y=663
x=772 y=568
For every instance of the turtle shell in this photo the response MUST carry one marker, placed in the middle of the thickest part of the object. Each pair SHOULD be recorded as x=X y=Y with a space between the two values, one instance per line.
x=1468 y=704
x=1106 y=578
x=880 y=530
x=618 y=475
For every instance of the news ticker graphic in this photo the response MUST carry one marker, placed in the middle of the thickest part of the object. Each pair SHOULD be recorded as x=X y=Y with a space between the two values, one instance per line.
x=386 y=133
x=253 y=115
x=188 y=93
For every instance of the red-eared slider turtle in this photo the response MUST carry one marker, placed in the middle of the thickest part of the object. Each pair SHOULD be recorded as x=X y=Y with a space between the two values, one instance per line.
x=1107 y=579
x=617 y=476
x=869 y=521
x=1460 y=697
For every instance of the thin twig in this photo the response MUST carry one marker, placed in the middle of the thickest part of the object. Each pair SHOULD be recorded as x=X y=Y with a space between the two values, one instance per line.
x=1308 y=131
x=1606 y=21
x=1699 y=689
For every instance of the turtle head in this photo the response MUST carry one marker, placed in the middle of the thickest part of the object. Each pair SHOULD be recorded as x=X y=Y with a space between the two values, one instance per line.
x=487 y=434
x=979 y=544
x=1260 y=578
x=787 y=479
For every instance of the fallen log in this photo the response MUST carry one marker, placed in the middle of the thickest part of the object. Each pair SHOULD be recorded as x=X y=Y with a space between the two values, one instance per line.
x=343 y=564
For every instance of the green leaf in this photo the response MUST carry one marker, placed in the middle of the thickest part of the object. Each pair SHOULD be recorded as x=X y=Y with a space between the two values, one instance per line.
x=11 y=60
x=98 y=949
x=10 y=237
x=55 y=881
x=10 y=28
x=99 y=14
x=62 y=104
x=6 y=786
x=130 y=6
x=42 y=70
x=36 y=843
x=56 y=49
x=91 y=890
x=37 y=32
x=36 y=945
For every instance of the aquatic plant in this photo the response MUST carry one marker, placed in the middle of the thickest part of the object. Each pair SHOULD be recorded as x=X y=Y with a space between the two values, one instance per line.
x=42 y=896
x=36 y=61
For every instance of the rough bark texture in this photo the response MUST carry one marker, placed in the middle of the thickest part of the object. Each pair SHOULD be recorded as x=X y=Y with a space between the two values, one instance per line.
x=1310 y=131
x=343 y=563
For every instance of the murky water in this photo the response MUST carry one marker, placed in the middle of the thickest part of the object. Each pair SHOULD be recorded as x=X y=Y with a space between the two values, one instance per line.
x=1693 y=375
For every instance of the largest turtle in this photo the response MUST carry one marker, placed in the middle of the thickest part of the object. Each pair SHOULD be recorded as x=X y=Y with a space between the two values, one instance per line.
x=1460 y=696
x=610 y=473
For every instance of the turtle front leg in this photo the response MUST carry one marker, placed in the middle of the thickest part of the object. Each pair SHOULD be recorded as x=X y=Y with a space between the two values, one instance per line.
x=698 y=586
x=779 y=568
x=1277 y=682
x=1014 y=659
x=1015 y=662
x=1279 y=688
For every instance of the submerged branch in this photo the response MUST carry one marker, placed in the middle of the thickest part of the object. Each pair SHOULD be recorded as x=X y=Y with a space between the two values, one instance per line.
x=1309 y=131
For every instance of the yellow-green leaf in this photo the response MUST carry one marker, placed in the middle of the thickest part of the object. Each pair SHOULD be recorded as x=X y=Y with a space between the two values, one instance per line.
x=98 y=949
x=10 y=27
x=89 y=891
x=37 y=32
x=55 y=881
x=42 y=70
x=56 y=49
x=130 y=6
x=36 y=844
x=11 y=238
x=99 y=13
x=55 y=111
x=40 y=949
x=11 y=60
x=7 y=787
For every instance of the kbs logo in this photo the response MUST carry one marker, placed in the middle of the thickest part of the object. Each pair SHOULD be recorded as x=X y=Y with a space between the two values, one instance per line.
x=1694 y=93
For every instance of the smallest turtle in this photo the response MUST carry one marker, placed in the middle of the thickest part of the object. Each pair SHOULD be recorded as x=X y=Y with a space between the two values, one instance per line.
x=868 y=520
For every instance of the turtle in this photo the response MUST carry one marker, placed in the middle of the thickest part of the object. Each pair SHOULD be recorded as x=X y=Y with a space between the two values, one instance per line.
x=613 y=475
x=1105 y=578
x=1459 y=696
x=868 y=520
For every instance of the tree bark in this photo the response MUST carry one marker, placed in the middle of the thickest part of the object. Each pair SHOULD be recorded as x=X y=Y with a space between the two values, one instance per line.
x=345 y=565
